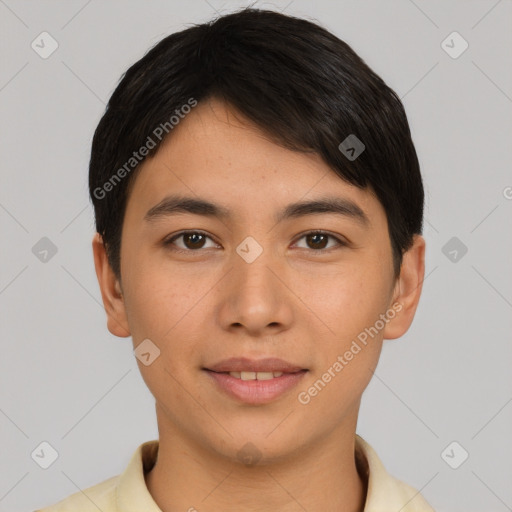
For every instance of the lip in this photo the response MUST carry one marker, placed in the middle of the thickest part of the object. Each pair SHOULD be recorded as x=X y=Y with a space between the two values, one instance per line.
x=256 y=392
x=239 y=364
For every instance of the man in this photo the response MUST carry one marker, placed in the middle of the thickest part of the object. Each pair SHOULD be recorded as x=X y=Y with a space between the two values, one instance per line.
x=259 y=211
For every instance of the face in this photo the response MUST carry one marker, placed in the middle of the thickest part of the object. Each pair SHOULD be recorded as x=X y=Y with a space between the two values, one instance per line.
x=252 y=277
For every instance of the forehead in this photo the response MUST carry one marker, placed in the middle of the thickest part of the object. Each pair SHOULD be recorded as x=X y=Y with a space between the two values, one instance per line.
x=216 y=154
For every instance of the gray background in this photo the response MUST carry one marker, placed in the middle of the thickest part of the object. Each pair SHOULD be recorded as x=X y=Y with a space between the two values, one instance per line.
x=66 y=380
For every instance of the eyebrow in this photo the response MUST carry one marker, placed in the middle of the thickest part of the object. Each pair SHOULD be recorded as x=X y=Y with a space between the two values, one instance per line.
x=175 y=204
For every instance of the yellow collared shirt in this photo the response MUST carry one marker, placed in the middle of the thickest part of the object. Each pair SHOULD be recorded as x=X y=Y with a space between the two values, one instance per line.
x=128 y=492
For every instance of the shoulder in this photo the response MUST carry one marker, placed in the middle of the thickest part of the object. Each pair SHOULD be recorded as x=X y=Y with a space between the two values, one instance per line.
x=408 y=497
x=121 y=492
x=385 y=492
x=97 y=497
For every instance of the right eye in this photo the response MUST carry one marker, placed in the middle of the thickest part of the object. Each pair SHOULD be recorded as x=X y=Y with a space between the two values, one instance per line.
x=192 y=240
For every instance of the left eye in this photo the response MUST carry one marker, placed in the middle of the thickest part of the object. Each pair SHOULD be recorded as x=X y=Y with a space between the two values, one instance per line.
x=194 y=240
x=319 y=238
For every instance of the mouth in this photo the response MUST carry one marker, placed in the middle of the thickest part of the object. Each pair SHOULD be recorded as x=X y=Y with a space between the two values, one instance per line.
x=244 y=365
x=248 y=375
x=255 y=382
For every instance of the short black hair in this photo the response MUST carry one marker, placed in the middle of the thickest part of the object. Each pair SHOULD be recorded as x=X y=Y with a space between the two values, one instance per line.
x=304 y=87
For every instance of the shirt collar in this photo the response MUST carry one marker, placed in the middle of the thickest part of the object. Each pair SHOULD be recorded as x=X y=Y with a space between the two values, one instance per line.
x=132 y=494
x=383 y=489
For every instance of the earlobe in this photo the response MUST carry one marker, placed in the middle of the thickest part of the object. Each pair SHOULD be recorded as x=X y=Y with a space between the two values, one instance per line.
x=407 y=289
x=111 y=291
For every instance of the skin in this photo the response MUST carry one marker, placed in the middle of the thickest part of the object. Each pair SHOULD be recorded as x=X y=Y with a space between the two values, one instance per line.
x=300 y=300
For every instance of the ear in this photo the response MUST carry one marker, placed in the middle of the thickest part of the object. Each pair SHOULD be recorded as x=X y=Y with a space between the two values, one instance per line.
x=407 y=291
x=111 y=291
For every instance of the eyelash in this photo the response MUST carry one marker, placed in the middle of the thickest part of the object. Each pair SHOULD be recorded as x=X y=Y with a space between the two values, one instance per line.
x=169 y=242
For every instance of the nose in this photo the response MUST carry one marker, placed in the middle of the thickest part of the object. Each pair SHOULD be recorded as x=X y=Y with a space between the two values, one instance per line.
x=256 y=299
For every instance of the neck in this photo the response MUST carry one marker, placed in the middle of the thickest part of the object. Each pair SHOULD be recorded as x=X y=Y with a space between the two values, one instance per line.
x=321 y=476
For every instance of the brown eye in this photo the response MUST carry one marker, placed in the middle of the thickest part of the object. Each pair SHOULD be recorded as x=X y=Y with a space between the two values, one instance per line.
x=192 y=241
x=196 y=240
x=317 y=240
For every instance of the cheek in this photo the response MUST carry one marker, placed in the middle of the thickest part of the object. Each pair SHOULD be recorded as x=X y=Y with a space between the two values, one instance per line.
x=168 y=308
x=163 y=312
x=155 y=300
x=348 y=351
x=348 y=302
x=350 y=306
